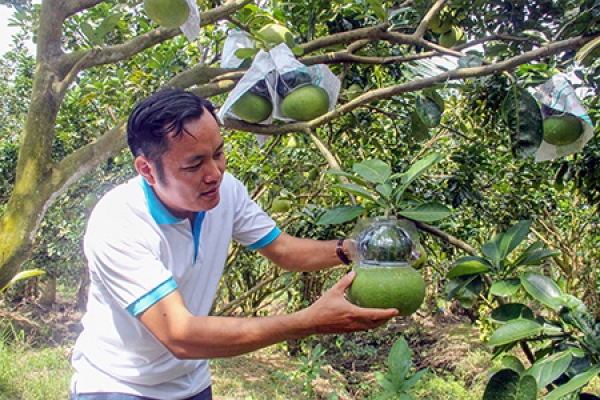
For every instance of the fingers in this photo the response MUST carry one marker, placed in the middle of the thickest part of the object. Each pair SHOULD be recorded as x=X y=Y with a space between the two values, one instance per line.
x=345 y=282
x=371 y=318
x=377 y=314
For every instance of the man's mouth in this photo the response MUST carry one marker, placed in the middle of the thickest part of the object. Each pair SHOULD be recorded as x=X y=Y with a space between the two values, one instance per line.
x=210 y=193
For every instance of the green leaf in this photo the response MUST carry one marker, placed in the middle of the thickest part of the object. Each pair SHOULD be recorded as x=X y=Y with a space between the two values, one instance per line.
x=515 y=330
x=542 y=289
x=462 y=284
x=399 y=361
x=536 y=257
x=412 y=381
x=469 y=265
x=416 y=170
x=432 y=94
x=547 y=369
x=429 y=212
x=587 y=49
x=377 y=7
x=385 y=383
x=506 y=287
x=90 y=33
x=428 y=110
x=355 y=190
x=491 y=249
x=374 y=170
x=528 y=388
x=23 y=275
x=574 y=384
x=513 y=237
x=297 y=51
x=340 y=215
x=523 y=116
x=503 y=385
x=418 y=129
x=510 y=311
x=535 y=247
x=514 y=363
x=350 y=176
x=385 y=190
x=108 y=24
x=570 y=302
x=245 y=52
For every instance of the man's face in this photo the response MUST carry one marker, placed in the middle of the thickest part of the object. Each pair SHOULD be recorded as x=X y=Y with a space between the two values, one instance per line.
x=193 y=169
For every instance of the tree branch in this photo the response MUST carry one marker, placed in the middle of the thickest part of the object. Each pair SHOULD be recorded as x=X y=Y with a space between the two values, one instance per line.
x=386 y=93
x=446 y=237
x=433 y=11
x=70 y=7
x=201 y=74
x=85 y=159
x=70 y=64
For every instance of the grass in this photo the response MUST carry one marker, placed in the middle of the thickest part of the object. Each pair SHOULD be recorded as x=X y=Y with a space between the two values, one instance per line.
x=27 y=373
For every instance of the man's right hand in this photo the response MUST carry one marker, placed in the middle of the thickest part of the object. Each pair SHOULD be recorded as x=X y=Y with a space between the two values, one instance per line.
x=333 y=313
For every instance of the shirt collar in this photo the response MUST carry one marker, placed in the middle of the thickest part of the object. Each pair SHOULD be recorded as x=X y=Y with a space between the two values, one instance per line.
x=157 y=209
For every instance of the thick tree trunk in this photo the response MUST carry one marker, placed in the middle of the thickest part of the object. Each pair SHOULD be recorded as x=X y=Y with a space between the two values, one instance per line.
x=47 y=292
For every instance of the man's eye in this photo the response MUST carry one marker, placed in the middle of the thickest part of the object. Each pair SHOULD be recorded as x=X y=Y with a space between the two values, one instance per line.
x=193 y=167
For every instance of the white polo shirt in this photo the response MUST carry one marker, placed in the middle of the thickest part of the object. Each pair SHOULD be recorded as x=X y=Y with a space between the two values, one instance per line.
x=138 y=253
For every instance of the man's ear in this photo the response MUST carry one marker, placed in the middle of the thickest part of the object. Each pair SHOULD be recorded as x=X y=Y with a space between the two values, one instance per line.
x=146 y=168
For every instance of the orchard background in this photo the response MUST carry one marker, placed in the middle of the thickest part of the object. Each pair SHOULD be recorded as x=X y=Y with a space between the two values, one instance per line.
x=63 y=113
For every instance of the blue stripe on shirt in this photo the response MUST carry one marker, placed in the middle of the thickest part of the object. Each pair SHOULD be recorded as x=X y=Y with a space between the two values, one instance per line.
x=150 y=298
x=266 y=240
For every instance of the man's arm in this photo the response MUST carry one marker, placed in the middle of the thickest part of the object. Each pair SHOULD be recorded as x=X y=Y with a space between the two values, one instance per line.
x=188 y=336
x=303 y=255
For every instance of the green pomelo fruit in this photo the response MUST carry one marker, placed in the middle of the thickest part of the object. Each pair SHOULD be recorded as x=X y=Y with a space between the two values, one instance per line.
x=281 y=205
x=90 y=200
x=292 y=143
x=313 y=174
x=439 y=24
x=560 y=130
x=276 y=34
x=452 y=37
x=167 y=13
x=354 y=91
x=420 y=262
x=252 y=108
x=400 y=287
x=305 y=103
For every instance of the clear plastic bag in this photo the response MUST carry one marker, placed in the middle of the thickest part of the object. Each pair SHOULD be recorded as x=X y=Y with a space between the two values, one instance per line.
x=235 y=40
x=292 y=74
x=557 y=97
x=259 y=79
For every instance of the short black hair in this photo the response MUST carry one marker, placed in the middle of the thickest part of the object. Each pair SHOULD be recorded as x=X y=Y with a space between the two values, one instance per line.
x=155 y=117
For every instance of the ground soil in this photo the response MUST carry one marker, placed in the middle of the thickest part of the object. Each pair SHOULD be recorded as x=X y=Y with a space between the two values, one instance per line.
x=439 y=342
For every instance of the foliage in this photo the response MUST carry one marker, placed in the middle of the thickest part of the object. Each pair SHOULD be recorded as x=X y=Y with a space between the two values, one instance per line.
x=399 y=378
x=311 y=367
x=22 y=275
x=385 y=192
x=565 y=335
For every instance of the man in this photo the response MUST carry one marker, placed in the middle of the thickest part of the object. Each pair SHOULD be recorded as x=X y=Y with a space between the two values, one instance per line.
x=156 y=248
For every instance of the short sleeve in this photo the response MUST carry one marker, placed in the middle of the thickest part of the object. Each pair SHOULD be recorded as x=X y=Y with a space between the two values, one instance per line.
x=252 y=227
x=126 y=262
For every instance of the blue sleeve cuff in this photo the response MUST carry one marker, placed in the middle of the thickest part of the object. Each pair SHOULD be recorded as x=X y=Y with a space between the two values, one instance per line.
x=150 y=298
x=274 y=234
